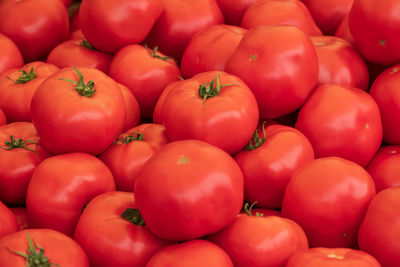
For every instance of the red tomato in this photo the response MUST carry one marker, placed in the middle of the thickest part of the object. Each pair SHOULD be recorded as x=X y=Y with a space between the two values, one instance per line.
x=328 y=198
x=112 y=222
x=341 y=121
x=132 y=117
x=111 y=25
x=65 y=183
x=21 y=214
x=17 y=87
x=71 y=117
x=20 y=153
x=129 y=153
x=183 y=183
x=385 y=92
x=379 y=232
x=269 y=161
x=8 y=222
x=179 y=21
x=194 y=253
x=215 y=107
x=10 y=56
x=158 y=109
x=375 y=26
x=289 y=79
x=233 y=13
x=3 y=119
x=210 y=48
x=332 y=257
x=278 y=12
x=343 y=31
x=36 y=26
x=46 y=246
x=385 y=167
x=145 y=72
x=340 y=63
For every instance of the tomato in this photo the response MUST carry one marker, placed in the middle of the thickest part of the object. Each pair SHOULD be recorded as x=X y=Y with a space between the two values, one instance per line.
x=36 y=26
x=105 y=23
x=68 y=111
x=56 y=197
x=328 y=198
x=269 y=161
x=158 y=109
x=132 y=117
x=343 y=31
x=233 y=13
x=48 y=247
x=21 y=214
x=375 y=26
x=112 y=222
x=130 y=152
x=289 y=79
x=384 y=90
x=332 y=257
x=340 y=63
x=194 y=253
x=17 y=87
x=379 y=232
x=210 y=48
x=179 y=21
x=145 y=72
x=183 y=183
x=10 y=56
x=278 y=12
x=385 y=167
x=8 y=221
x=215 y=107
x=352 y=130
x=3 y=119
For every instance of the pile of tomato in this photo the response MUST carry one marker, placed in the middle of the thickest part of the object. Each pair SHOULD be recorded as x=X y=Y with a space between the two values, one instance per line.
x=218 y=133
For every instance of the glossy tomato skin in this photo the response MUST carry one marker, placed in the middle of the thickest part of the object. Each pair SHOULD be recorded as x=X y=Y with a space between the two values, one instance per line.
x=145 y=75
x=328 y=198
x=210 y=48
x=126 y=157
x=70 y=122
x=289 y=80
x=16 y=97
x=179 y=21
x=278 y=12
x=119 y=242
x=340 y=63
x=233 y=13
x=375 y=27
x=226 y=120
x=332 y=257
x=18 y=164
x=379 y=231
x=56 y=197
x=57 y=247
x=36 y=26
x=268 y=168
x=351 y=129
x=261 y=241
x=8 y=221
x=183 y=183
x=194 y=253
x=10 y=56
x=132 y=117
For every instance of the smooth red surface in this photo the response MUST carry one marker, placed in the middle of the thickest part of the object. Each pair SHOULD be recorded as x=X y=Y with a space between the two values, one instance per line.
x=10 y=56
x=132 y=117
x=8 y=221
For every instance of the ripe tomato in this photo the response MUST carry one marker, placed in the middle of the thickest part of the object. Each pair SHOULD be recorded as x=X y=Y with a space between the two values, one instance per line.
x=20 y=153
x=8 y=222
x=105 y=23
x=289 y=79
x=132 y=117
x=48 y=247
x=328 y=198
x=17 y=87
x=183 y=183
x=10 y=56
x=233 y=13
x=194 y=253
x=36 y=26
x=112 y=222
x=71 y=117
x=65 y=183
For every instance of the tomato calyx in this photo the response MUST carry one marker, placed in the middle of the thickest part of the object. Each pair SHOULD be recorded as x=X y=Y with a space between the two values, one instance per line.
x=25 y=77
x=256 y=141
x=133 y=216
x=18 y=143
x=34 y=257
x=212 y=88
x=86 y=44
x=153 y=53
x=132 y=137
x=247 y=209
x=81 y=87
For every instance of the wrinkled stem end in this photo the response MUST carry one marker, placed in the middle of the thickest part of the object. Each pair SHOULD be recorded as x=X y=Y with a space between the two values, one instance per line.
x=133 y=216
x=25 y=77
x=211 y=89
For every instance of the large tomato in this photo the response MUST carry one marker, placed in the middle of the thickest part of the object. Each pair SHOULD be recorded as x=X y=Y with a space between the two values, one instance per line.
x=328 y=198
x=8 y=221
x=68 y=110
x=281 y=83
x=111 y=25
x=10 y=56
x=197 y=186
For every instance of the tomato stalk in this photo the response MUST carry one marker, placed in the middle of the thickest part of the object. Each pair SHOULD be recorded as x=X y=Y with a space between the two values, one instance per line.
x=81 y=87
x=25 y=77
x=87 y=44
x=153 y=53
x=18 y=143
x=248 y=209
x=212 y=88
x=133 y=216
x=256 y=142
x=133 y=137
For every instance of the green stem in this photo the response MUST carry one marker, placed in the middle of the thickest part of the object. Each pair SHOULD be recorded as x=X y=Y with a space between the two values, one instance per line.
x=248 y=209
x=256 y=141
x=25 y=77
x=133 y=216
x=87 y=44
x=153 y=53
x=81 y=87
x=18 y=143
x=211 y=89
x=133 y=137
